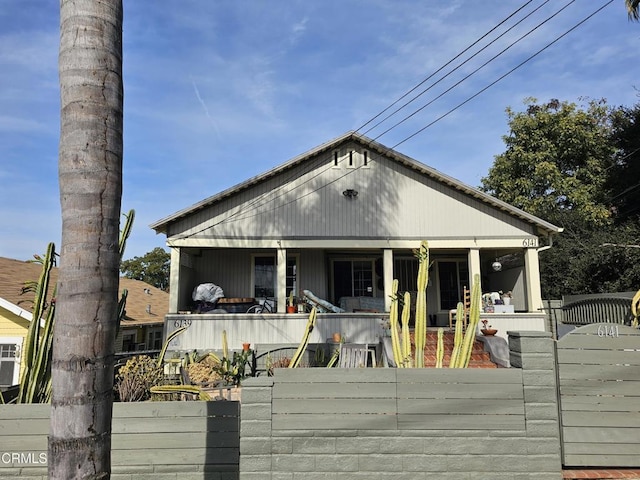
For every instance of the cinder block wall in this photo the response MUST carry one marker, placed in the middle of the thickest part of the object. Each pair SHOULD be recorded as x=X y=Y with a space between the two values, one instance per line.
x=408 y=424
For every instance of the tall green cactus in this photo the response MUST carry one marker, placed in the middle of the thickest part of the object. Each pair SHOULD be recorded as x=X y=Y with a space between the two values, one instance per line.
x=440 y=348
x=458 y=336
x=420 y=331
x=311 y=323
x=474 y=319
x=35 y=377
x=406 y=334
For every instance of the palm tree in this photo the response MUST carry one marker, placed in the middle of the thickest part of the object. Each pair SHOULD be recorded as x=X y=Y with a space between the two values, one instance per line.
x=90 y=178
x=633 y=9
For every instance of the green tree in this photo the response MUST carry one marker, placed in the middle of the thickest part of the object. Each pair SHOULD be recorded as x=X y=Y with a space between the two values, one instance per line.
x=574 y=167
x=152 y=268
x=556 y=161
x=633 y=9
x=90 y=179
x=624 y=177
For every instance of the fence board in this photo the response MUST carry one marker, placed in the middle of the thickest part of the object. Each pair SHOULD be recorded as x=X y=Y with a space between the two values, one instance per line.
x=198 y=435
x=472 y=421
x=334 y=422
x=455 y=406
x=599 y=385
x=327 y=406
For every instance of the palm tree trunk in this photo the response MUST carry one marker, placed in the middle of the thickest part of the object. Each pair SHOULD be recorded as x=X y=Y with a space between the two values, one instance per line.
x=90 y=177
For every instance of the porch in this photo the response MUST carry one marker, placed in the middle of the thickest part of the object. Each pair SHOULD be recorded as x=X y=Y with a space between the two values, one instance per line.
x=204 y=331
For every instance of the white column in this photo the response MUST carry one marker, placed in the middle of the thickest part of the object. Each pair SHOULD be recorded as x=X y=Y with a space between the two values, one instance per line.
x=474 y=266
x=532 y=276
x=281 y=281
x=174 y=280
x=387 y=269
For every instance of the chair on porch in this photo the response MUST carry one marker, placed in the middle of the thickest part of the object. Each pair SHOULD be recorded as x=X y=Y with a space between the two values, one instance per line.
x=356 y=355
x=466 y=302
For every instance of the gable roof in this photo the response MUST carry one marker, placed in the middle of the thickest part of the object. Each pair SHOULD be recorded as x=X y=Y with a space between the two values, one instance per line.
x=543 y=227
x=14 y=274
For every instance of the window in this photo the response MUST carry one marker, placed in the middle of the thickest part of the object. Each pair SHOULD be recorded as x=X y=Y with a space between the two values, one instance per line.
x=405 y=269
x=453 y=276
x=351 y=153
x=352 y=278
x=292 y=276
x=154 y=338
x=335 y=159
x=264 y=276
x=129 y=342
x=9 y=363
x=365 y=158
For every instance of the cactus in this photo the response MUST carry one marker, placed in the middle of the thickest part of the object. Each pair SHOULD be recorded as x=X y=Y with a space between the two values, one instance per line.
x=470 y=335
x=440 y=348
x=458 y=337
x=170 y=337
x=191 y=389
x=393 y=325
x=635 y=309
x=35 y=379
x=406 y=334
x=420 y=331
x=311 y=323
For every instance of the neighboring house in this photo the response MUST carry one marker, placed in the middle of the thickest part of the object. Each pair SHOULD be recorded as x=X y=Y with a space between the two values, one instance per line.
x=141 y=329
x=342 y=221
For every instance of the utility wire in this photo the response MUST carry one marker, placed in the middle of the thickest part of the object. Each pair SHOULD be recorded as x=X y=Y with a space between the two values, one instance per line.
x=454 y=69
x=240 y=215
x=503 y=76
x=522 y=37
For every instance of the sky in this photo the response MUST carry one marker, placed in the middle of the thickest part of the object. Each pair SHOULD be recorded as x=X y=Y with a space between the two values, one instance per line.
x=217 y=92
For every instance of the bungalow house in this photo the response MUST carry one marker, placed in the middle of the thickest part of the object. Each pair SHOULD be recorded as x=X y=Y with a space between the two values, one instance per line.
x=141 y=328
x=342 y=221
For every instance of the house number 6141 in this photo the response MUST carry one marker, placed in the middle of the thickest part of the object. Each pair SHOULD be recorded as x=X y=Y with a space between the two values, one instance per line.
x=608 y=331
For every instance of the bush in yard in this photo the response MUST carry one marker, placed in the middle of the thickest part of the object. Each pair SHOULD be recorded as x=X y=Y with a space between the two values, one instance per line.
x=136 y=377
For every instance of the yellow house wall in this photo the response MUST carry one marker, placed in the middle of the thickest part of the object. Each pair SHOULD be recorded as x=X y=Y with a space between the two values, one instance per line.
x=11 y=325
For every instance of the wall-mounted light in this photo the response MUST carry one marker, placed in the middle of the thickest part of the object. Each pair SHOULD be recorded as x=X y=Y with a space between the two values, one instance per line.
x=350 y=193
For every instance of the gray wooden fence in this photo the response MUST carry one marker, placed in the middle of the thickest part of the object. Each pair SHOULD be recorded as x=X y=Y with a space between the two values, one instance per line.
x=378 y=423
x=159 y=440
x=599 y=378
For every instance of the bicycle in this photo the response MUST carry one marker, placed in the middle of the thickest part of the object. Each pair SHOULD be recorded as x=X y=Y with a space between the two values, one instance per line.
x=268 y=305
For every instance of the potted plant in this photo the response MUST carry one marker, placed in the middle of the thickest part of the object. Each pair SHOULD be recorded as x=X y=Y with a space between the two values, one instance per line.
x=487 y=330
x=291 y=307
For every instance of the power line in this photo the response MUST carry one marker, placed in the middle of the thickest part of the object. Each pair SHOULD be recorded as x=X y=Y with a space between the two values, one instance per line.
x=502 y=77
x=246 y=213
x=443 y=66
x=455 y=69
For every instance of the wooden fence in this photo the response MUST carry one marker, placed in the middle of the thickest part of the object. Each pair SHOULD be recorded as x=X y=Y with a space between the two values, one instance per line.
x=160 y=440
x=599 y=379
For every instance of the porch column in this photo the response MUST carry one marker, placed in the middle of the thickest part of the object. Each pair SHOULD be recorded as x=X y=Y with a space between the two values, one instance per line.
x=532 y=276
x=474 y=266
x=387 y=269
x=174 y=280
x=281 y=281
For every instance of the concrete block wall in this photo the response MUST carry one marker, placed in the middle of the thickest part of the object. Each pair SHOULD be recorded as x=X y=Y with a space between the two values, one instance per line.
x=523 y=443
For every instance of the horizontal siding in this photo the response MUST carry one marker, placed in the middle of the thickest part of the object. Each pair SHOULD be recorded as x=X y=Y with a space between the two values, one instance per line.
x=599 y=383
x=398 y=399
x=307 y=202
x=198 y=436
x=205 y=330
